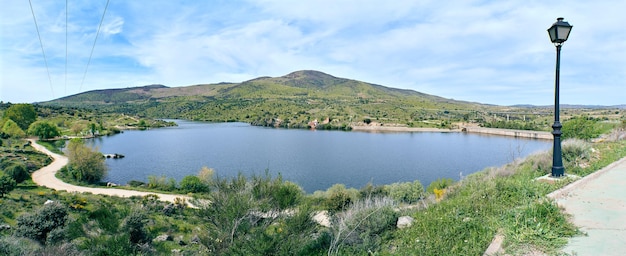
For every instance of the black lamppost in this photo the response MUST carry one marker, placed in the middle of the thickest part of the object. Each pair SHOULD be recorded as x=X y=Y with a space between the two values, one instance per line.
x=558 y=35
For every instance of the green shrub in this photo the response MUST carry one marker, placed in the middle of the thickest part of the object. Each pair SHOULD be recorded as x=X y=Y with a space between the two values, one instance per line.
x=440 y=183
x=162 y=183
x=44 y=225
x=371 y=191
x=580 y=128
x=338 y=198
x=193 y=184
x=134 y=224
x=85 y=164
x=362 y=226
x=287 y=194
x=17 y=172
x=406 y=192
x=6 y=184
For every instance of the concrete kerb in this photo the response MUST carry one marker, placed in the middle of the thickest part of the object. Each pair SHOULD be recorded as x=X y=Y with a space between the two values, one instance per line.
x=495 y=247
x=567 y=189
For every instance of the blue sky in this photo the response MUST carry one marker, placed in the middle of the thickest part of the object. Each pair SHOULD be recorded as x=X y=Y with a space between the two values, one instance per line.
x=495 y=52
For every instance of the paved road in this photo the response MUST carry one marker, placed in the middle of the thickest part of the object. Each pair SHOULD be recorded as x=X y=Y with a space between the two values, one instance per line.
x=46 y=177
x=597 y=204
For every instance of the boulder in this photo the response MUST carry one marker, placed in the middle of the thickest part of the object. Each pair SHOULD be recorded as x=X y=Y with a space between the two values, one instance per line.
x=405 y=222
x=162 y=238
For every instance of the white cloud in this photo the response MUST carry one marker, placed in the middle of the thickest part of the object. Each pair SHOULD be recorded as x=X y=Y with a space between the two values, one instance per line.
x=486 y=51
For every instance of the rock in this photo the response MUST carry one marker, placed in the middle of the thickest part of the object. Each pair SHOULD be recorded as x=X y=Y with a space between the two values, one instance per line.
x=195 y=239
x=48 y=202
x=322 y=218
x=162 y=238
x=179 y=240
x=405 y=222
x=5 y=226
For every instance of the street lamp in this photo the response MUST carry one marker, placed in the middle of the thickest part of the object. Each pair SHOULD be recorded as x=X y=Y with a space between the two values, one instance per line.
x=558 y=35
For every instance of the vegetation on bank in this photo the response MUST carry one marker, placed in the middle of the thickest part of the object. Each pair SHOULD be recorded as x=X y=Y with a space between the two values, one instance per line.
x=263 y=215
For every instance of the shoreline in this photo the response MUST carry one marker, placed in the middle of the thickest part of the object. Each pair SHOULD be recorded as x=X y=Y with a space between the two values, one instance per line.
x=542 y=135
x=46 y=177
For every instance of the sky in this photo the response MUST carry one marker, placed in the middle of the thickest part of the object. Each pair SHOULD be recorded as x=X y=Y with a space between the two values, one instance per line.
x=494 y=52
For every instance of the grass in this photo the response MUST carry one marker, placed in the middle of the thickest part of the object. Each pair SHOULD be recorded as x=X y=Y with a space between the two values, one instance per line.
x=507 y=200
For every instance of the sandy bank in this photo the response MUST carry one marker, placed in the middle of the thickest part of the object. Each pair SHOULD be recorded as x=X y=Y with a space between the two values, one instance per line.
x=46 y=177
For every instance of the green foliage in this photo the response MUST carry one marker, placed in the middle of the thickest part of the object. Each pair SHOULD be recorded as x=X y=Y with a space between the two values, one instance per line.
x=44 y=130
x=245 y=217
x=85 y=164
x=371 y=191
x=22 y=114
x=541 y=224
x=287 y=194
x=339 y=198
x=516 y=125
x=440 y=183
x=580 y=128
x=134 y=224
x=406 y=192
x=11 y=129
x=45 y=225
x=18 y=172
x=7 y=184
x=363 y=226
x=193 y=184
x=161 y=183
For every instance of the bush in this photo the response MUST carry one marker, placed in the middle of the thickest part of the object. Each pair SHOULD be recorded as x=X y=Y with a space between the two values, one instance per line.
x=85 y=164
x=370 y=191
x=406 y=192
x=6 y=184
x=287 y=194
x=44 y=130
x=580 y=128
x=162 y=183
x=17 y=172
x=339 y=198
x=440 y=183
x=193 y=184
x=362 y=225
x=135 y=226
x=45 y=224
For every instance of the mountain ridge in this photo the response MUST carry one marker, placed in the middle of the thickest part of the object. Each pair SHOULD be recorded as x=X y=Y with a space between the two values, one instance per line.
x=294 y=100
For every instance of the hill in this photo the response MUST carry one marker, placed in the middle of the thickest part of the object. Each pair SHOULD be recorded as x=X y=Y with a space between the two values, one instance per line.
x=293 y=100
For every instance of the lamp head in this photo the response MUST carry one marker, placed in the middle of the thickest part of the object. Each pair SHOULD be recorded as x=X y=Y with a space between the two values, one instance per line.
x=559 y=31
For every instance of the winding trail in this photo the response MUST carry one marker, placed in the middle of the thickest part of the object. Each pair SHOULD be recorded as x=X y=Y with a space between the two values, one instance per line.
x=46 y=177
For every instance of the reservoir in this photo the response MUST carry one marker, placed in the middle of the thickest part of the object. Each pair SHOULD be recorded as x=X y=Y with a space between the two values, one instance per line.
x=314 y=159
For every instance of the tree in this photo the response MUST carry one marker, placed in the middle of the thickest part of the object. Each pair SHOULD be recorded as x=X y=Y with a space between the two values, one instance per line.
x=41 y=226
x=18 y=172
x=43 y=130
x=85 y=164
x=22 y=114
x=11 y=128
x=6 y=185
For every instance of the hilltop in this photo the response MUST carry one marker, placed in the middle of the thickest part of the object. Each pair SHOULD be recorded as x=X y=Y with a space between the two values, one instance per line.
x=292 y=100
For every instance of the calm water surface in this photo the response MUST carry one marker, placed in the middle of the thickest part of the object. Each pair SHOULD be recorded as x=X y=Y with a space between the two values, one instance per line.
x=313 y=159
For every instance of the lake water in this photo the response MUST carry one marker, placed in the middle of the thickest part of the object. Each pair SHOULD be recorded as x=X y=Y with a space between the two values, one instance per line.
x=313 y=159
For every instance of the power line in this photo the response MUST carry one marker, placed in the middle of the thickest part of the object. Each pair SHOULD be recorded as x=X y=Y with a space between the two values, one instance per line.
x=94 y=46
x=41 y=43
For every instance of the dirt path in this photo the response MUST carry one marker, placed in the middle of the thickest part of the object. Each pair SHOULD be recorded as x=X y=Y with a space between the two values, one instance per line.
x=46 y=177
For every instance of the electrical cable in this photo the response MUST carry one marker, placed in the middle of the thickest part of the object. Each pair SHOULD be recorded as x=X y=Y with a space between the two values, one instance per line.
x=41 y=43
x=94 y=46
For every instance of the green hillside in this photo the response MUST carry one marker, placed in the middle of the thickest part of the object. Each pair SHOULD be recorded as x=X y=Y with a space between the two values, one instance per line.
x=292 y=100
